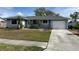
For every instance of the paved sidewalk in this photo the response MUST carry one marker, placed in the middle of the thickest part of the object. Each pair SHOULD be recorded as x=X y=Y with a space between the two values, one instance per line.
x=63 y=40
x=23 y=42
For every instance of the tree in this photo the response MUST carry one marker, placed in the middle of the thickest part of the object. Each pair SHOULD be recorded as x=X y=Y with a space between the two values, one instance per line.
x=49 y=13
x=40 y=12
x=58 y=14
x=19 y=21
x=44 y=12
x=74 y=15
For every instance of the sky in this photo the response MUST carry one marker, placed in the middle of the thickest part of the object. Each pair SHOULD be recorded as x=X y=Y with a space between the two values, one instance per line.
x=29 y=11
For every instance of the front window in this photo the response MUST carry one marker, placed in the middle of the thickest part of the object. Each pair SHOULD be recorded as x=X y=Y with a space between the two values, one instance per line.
x=34 y=22
x=44 y=21
x=14 y=22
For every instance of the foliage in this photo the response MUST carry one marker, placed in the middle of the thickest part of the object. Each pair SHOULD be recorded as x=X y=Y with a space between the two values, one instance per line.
x=40 y=12
x=44 y=12
x=19 y=19
x=49 y=13
x=74 y=15
x=76 y=26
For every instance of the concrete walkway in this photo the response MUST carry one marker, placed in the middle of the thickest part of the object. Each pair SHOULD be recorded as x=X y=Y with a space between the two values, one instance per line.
x=63 y=40
x=23 y=42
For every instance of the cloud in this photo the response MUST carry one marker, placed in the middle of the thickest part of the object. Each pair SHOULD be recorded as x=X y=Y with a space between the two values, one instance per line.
x=1 y=14
x=5 y=14
x=6 y=11
x=66 y=11
x=19 y=13
x=69 y=11
x=72 y=9
x=7 y=8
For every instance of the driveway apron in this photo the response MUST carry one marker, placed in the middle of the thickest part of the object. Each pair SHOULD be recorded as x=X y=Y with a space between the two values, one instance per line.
x=63 y=40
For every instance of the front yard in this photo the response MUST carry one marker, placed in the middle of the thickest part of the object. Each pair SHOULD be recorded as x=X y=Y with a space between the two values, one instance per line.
x=6 y=47
x=34 y=35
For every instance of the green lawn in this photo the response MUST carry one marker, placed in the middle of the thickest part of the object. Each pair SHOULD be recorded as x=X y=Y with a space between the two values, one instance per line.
x=34 y=35
x=5 y=47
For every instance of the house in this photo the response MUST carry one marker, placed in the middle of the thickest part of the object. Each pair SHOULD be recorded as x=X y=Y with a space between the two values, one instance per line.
x=54 y=22
x=2 y=23
x=71 y=22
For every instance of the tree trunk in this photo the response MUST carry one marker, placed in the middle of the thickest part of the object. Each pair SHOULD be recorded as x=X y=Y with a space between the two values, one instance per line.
x=18 y=24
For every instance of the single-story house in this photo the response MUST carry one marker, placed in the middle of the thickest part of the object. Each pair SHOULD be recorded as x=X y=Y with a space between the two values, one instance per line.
x=71 y=22
x=54 y=22
x=2 y=23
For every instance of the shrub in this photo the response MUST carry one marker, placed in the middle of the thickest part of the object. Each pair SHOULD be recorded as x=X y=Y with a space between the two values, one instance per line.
x=76 y=26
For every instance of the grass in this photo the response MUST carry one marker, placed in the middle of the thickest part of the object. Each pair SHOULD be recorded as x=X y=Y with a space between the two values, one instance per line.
x=33 y=35
x=5 y=47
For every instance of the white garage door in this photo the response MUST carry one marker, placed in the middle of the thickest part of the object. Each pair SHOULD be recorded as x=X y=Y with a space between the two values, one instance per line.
x=58 y=24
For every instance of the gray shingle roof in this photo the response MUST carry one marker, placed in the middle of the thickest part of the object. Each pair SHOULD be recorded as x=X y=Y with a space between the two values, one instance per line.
x=41 y=18
x=13 y=17
x=46 y=18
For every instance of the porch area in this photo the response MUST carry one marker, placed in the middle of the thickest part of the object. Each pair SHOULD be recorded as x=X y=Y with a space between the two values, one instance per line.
x=36 y=24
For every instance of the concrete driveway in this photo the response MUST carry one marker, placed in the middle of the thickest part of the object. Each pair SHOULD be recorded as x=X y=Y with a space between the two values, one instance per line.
x=63 y=40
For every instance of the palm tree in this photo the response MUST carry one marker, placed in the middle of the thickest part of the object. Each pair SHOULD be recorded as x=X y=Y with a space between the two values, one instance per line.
x=19 y=21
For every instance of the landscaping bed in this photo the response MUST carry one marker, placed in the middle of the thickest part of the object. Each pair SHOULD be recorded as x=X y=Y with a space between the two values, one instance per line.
x=6 y=47
x=75 y=32
x=33 y=35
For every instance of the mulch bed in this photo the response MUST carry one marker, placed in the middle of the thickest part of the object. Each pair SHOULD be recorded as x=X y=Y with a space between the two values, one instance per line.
x=75 y=32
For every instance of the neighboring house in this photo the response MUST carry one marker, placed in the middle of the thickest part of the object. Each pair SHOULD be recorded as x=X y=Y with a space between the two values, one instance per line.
x=78 y=20
x=11 y=22
x=2 y=23
x=71 y=22
x=54 y=22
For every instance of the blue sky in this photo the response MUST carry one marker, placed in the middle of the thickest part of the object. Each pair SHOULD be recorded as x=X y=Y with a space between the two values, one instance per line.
x=29 y=11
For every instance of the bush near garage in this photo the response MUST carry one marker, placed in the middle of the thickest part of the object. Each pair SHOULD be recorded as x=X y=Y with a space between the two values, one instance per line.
x=76 y=26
